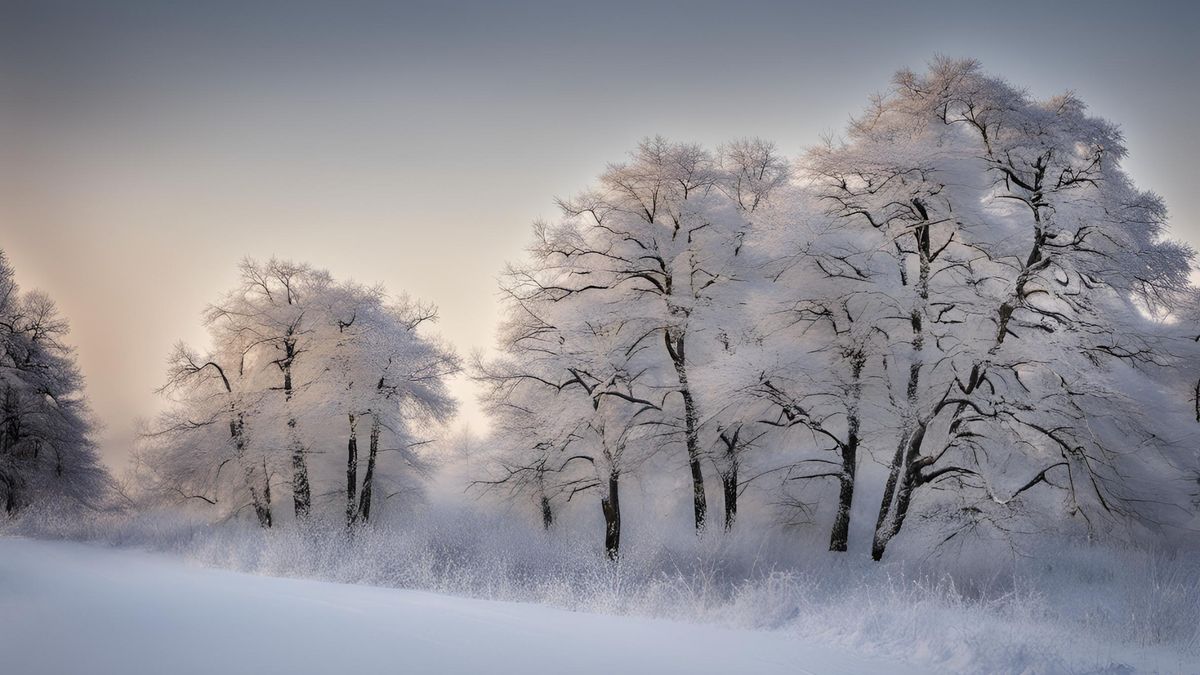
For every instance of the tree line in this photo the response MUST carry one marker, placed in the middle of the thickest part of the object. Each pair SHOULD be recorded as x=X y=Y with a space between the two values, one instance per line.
x=962 y=314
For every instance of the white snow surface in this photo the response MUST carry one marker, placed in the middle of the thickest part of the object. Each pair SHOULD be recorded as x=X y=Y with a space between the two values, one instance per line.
x=67 y=607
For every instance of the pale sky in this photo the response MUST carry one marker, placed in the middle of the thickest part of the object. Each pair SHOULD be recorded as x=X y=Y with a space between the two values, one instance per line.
x=146 y=147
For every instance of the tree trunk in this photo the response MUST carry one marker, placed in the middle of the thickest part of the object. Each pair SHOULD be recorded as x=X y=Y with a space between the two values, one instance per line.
x=611 y=505
x=911 y=477
x=10 y=436
x=839 y=536
x=729 y=483
x=908 y=480
x=889 y=488
x=364 y=504
x=262 y=510
x=12 y=421
x=266 y=492
x=352 y=473
x=10 y=494
x=675 y=349
x=898 y=467
x=544 y=500
x=301 y=490
x=729 y=476
x=547 y=513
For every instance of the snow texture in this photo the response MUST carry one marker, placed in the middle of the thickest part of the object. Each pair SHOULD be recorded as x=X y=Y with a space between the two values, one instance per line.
x=75 y=608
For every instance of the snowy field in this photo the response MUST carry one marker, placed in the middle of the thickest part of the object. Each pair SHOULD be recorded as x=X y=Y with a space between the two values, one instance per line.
x=78 y=608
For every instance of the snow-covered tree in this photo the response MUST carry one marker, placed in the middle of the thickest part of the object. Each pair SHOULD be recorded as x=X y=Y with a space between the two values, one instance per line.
x=570 y=411
x=1034 y=257
x=274 y=317
x=652 y=244
x=211 y=393
x=967 y=290
x=380 y=365
x=47 y=449
x=296 y=359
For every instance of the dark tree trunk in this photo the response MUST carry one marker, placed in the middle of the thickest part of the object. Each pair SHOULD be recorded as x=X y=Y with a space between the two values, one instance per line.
x=899 y=467
x=675 y=349
x=544 y=500
x=301 y=490
x=10 y=437
x=260 y=502
x=10 y=494
x=839 y=536
x=364 y=504
x=729 y=475
x=547 y=513
x=729 y=482
x=907 y=482
x=352 y=473
x=889 y=494
x=611 y=505
x=266 y=493
x=7 y=442
x=11 y=421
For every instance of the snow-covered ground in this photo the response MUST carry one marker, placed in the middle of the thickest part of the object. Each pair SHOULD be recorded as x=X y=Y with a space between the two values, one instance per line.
x=77 y=608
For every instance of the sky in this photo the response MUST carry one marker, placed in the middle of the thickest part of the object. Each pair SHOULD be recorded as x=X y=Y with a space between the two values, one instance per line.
x=146 y=147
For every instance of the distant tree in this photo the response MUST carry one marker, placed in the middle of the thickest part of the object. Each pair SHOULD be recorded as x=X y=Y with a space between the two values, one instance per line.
x=296 y=357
